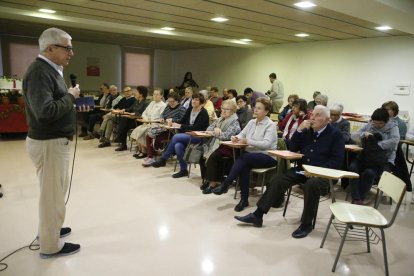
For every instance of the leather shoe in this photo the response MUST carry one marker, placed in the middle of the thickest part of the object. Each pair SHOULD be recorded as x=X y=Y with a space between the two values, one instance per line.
x=67 y=249
x=104 y=144
x=83 y=134
x=140 y=155
x=159 y=163
x=251 y=218
x=180 y=174
x=222 y=189
x=204 y=185
x=208 y=190
x=242 y=204
x=302 y=231
x=121 y=148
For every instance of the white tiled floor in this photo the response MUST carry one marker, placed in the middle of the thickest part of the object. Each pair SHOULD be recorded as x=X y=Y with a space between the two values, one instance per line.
x=135 y=221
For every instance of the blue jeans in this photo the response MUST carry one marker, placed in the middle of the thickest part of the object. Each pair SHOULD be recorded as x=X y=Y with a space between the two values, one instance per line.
x=177 y=147
x=242 y=167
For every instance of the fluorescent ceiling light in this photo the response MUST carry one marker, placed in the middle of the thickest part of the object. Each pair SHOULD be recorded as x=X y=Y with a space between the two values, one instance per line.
x=383 y=28
x=239 y=42
x=167 y=28
x=246 y=39
x=159 y=31
x=47 y=11
x=301 y=35
x=219 y=19
x=305 y=4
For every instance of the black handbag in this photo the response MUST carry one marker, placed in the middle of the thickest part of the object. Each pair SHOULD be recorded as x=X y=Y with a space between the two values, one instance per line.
x=372 y=155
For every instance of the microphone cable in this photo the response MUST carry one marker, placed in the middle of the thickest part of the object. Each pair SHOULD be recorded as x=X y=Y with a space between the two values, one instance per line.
x=32 y=246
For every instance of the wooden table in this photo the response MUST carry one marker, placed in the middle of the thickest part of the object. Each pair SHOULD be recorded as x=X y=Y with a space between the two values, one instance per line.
x=330 y=174
x=407 y=152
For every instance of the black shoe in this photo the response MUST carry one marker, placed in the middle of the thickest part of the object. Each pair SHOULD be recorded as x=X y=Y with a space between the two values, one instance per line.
x=302 y=231
x=159 y=163
x=204 y=185
x=65 y=231
x=242 y=204
x=208 y=190
x=104 y=144
x=251 y=218
x=140 y=155
x=180 y=174
x=83 y=134
x=97 y=135
x=102 y=139
x=67 y=249
x=121 y=148
x=222 y=189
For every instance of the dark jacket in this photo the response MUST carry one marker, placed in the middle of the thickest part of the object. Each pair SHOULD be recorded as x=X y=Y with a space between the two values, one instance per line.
x=200 y=123
x=326 y=151
x=125 y=103
x=49 y=106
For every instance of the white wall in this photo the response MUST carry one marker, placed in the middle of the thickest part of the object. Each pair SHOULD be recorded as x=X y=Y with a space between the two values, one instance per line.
x=361 y=73
x=162 y=69
x=110 y=63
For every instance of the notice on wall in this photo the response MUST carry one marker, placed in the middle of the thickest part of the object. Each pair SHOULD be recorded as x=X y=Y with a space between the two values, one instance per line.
x=93 y=68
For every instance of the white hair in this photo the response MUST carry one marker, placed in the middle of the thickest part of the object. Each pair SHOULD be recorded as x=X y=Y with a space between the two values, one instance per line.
x=52 y=36
x=204 y=93
x=325 y=110
x=337 y=107
x=322 y=98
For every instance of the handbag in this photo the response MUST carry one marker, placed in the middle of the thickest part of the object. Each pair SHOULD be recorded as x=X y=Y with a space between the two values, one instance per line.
x=193 y=153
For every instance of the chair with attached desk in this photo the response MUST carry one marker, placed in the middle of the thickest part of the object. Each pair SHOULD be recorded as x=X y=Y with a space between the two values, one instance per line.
x=368 y=217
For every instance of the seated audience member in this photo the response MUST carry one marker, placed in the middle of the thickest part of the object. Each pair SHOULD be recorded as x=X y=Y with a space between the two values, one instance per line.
x=293 y=120
x=196 y=118
x=255 y=95
x=188 y=81
x=114 y=99
x=321 y=100
x=312 y=104
x=379 y=138
x=225 y=94
x=322 y=145
x=339 y=122
x=215 y=98
x=288 y=108
x=248 y=94
x=109 y=119
x=151 y=113
x=392 y=109
x=186 y=100
x=260 y=135
x=173 y=113
x=208 y=105
x=211 y=165
x=126 y=123
x=244 y=113
x=410 y=134
x=232 y=94
x=102 y=101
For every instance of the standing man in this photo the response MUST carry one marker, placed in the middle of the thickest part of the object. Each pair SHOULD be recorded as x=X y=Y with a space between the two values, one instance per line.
x=275 y=93
x=51 y=119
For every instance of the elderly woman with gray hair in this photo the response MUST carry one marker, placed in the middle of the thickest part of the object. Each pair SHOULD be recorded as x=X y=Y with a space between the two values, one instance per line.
x=339 y=122
x=212 y=165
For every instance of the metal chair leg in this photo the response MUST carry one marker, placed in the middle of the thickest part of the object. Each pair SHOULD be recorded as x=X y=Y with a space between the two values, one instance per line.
x=189 y=170
x=367 y=234
x=327 y=230
x=287 y=200
x=384 y=248
x=340 y=248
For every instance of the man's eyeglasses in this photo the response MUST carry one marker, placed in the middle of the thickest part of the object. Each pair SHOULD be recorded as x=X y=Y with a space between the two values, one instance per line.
x=67 y=48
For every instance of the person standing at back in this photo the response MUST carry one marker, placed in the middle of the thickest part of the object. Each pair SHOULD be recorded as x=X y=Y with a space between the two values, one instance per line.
x=51 y=119
x=275 y=93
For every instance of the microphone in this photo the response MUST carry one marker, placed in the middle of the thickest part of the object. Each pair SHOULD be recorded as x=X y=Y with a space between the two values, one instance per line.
x=73 y=79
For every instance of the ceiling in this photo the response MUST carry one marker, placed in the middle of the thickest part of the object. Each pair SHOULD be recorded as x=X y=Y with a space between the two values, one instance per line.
x=137 y=23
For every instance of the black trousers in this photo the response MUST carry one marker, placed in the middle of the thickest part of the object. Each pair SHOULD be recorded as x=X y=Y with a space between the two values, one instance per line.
x=125 y=124
x=279 y=185
x=93 y=119
x=215 y=167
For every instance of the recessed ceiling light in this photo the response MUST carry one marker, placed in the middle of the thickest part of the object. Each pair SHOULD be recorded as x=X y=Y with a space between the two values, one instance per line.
x=167 y=28
x=383 y=28
x=47 y=11
x=301 y=35
x=305 y=4
x=219 y=19
x=246 y=39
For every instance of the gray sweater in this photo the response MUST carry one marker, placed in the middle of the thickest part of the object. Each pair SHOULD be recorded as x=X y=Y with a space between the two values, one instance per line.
x=260 y=136
x=49 y=106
